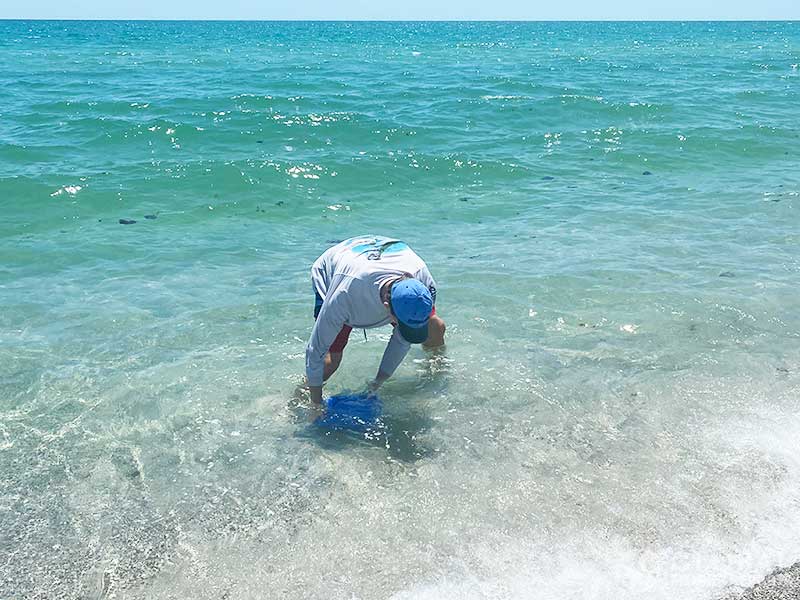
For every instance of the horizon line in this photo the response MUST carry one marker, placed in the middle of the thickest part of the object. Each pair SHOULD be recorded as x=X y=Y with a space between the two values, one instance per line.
x=218 y=20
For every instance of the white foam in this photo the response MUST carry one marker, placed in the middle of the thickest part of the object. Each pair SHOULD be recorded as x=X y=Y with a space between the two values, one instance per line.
x=604 y=565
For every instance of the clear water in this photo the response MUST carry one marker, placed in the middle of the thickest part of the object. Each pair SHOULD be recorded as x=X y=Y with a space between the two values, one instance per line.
x=617 y=413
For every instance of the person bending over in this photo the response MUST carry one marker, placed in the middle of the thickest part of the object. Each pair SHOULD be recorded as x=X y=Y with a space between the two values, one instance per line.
x=365 y=282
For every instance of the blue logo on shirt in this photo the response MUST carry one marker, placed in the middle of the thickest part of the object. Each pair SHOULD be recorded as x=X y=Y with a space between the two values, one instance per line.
x=377 y=247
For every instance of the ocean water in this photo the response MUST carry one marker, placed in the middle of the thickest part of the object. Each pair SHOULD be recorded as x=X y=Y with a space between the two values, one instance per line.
x=611 y=212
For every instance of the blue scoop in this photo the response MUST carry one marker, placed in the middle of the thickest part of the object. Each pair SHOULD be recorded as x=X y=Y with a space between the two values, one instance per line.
x=352 y=412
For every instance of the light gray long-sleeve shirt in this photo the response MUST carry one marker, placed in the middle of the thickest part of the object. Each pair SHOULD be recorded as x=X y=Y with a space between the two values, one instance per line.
x=349 y=277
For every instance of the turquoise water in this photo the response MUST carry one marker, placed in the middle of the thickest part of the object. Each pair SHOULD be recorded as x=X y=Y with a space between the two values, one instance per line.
x=611 y=214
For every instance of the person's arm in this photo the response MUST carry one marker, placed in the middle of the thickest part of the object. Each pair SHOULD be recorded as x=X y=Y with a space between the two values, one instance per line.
x=329 y=322
x=395 y=352
x=316 y=394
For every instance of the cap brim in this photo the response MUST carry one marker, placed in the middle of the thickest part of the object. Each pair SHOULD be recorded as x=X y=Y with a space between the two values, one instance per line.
x=412 y=335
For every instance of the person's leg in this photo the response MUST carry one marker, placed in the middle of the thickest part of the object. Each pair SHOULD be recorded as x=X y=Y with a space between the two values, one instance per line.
x=334 y=356
x=436 y=329
x=332 y=362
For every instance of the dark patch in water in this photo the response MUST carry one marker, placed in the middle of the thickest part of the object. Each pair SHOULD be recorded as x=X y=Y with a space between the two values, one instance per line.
x=126 y=221
x=279 y=203
x=548 y=178
x=333 y=241
x=259 y=141
x=464 y=199
x=646 y=173
x=727 y=274
x=151 y=217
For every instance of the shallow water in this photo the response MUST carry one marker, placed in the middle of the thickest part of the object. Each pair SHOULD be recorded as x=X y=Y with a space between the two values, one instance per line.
x=616 y=414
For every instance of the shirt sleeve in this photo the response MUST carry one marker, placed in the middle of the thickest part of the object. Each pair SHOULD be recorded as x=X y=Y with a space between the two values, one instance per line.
x=319 y=275
x=424 y=276
x=395 y=352
x=330 y=320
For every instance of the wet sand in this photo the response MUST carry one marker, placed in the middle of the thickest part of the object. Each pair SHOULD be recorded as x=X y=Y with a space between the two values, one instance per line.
x=781 y=584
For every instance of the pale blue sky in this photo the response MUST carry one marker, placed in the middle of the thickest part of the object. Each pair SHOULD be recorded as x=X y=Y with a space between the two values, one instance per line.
x=404 y=9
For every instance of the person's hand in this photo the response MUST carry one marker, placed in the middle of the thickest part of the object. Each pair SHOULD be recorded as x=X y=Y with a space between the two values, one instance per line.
x=372 y=386
x=315 y=412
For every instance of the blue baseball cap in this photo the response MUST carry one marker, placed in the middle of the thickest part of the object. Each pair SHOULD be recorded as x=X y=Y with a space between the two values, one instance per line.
x=412 y=305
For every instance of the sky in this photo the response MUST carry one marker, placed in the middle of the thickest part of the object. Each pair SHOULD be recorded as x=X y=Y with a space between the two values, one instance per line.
x=405 y=9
